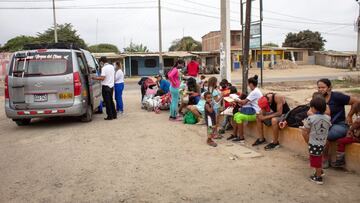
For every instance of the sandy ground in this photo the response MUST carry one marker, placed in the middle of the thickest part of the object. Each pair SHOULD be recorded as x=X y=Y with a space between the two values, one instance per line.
x=300 y=71
x=143 y=157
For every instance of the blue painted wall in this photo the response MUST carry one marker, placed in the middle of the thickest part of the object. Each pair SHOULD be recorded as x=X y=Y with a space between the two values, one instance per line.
x=142 y=70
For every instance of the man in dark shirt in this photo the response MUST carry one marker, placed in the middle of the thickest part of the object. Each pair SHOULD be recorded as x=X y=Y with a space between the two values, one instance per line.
x=340 y=122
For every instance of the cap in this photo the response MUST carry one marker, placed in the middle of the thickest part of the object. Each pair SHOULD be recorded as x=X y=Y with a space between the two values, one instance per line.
x=264 y=104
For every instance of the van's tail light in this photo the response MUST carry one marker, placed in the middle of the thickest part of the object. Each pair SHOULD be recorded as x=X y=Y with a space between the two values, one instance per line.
x=7 y=87
x=77 y=84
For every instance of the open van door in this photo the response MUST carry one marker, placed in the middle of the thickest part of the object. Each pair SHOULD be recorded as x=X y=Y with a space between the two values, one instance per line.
x=94 y=85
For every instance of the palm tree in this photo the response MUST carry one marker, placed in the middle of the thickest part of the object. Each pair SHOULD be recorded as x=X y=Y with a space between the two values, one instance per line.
x=185 y=44
x=136 y=48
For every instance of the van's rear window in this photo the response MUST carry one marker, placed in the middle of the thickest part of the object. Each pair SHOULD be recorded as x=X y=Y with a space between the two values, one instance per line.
x=43 y=64
x=43 y=67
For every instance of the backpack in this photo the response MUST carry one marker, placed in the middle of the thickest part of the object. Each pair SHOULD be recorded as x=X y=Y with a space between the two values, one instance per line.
x=189 y=118
x=295 y=117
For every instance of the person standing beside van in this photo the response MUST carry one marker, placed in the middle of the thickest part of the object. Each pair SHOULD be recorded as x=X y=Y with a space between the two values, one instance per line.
x=107 y=82
x=119 y=87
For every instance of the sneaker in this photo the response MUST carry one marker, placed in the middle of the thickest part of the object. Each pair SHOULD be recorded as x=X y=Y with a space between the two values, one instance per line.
x=317 y=180
x=231 y=137
x=211 y=143
x=339 y=163
x=238 y=139
x=272 y=146
x=259 y=142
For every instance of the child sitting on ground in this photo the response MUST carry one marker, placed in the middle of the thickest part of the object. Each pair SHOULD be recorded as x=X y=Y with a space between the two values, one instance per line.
x=353 y=136
x=210 y=118
x=315 y=131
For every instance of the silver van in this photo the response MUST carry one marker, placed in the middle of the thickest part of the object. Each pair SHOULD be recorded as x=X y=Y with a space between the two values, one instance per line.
x=51 y=80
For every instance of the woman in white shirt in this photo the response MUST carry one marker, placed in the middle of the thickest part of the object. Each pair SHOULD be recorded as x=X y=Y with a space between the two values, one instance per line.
x=247 y=112
x=119 y=87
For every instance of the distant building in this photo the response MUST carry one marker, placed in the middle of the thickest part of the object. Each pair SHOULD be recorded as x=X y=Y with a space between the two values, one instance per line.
x=273 y=55
x=210 y=54
x=336 y=59
x=211 y=41
x=147 y=64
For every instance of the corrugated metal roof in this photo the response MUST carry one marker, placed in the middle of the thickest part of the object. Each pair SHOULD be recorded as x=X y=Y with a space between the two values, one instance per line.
x=166 y=54
x=280 y=48
x=336 y=53
x=110 y=55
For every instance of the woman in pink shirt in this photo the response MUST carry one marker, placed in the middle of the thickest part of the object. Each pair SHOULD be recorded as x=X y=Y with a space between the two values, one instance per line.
x=174 y=79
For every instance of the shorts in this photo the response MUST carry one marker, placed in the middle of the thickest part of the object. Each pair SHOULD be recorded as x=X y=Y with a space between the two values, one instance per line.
x=315 y=161
x=267 y=122
x=240 y=118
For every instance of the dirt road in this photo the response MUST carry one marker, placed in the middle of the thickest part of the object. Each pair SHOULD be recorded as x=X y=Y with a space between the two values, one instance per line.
x=143 y=157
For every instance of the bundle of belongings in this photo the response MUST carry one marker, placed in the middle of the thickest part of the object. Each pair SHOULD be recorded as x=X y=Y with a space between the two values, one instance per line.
x=150 y=100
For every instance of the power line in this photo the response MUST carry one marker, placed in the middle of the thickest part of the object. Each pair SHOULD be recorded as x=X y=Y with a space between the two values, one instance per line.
x=80 y=8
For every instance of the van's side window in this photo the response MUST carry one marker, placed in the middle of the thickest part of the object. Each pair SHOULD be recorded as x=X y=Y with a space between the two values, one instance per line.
x=81 y=63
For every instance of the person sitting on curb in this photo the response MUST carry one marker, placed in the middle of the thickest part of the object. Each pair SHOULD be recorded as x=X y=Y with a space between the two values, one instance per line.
x=162 y=84
x=198 y=110
x=340 y=121
x=353 y=136
x=273 y=109
x=247 y=111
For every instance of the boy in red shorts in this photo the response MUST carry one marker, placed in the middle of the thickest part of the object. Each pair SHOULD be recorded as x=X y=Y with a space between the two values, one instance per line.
x=315 y=131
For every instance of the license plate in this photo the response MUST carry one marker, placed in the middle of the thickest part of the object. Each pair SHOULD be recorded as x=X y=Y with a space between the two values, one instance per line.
x=40 y=97
x=65 y=95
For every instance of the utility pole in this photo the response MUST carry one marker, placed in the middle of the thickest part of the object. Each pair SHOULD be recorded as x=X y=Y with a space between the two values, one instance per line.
x=261 y=46
x=55 y=26
x=358 y=40
x=97 y=24
x=225 y=49
x=161 y=66
x=246 y=46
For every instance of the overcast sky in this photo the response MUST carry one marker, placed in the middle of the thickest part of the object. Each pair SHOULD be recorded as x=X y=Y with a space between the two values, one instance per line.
x=136 y=20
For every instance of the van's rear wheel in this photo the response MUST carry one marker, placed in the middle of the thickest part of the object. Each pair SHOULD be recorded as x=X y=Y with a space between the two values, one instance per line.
x=23 y=122
x=87 y=117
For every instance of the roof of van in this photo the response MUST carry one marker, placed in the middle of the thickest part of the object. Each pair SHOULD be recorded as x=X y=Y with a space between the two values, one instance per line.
x=51 y=46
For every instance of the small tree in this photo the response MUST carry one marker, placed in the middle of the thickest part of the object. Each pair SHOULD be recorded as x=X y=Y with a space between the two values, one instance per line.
x=65 y=33
x=103 y=48
x=270 y=44
x=17 y=43
x=305 y=39
x=185 y=44
x=136 y=48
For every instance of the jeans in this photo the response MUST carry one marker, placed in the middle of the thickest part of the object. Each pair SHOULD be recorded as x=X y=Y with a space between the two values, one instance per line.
x=174 y=101
x=119 y=87
x=337 y=131
x=107 y=94
x=226 y=121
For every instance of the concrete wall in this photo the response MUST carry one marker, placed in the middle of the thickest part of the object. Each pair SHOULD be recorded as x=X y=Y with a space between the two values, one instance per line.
x=332 y=61
x=4 y=61
x=291 y=139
